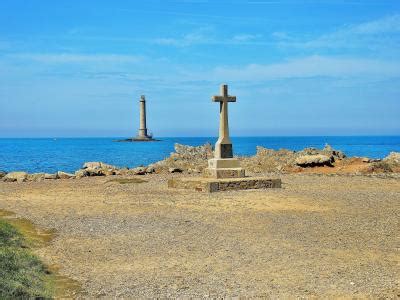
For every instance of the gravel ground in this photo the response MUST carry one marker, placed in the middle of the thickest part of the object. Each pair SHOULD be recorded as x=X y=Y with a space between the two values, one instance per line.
x=318 y=236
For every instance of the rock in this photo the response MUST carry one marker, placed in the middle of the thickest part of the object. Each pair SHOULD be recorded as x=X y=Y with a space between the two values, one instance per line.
x=81 y=173
x=329 y=151
x=36 y=177
x=2 y=174
x=107 y=172
x=393 y=157
x=94 y=172
x=91 y=165
x=194 y=171
x=375 y=160
x=50 y=176
x=328 y=148
x=96 y=168
x=256 y=169
x=98 y=165
x=197 y=170
x=16 y=176
x=189 y=152
x=64 y=175
x=123 y=172
x=365 y=159
x=138 y=171
x=175 y=170
x=186 y=157
x=314 y=160
x=107 y=166
x=150 y=170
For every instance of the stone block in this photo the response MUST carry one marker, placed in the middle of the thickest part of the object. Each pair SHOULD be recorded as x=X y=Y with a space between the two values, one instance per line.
x=224 y=168
x=225 y=173
x=216 y=163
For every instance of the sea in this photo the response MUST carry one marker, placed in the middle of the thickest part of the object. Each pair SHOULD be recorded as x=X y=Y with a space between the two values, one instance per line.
x=68 y=154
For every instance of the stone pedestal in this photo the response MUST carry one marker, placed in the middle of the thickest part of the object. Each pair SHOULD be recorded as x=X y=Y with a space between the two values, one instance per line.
x=224 y=168
x=211 y=185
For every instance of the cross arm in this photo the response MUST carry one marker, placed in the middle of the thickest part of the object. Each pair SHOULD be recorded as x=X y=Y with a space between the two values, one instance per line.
x=223 y=98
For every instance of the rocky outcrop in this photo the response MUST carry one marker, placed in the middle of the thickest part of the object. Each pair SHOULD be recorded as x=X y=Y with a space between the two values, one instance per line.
x=314 y=160
x=96 y=169
x=81 y=173
x=50 y=176
x=16 y=176
x=186 y=158
x=138 y=171
x=2 y=174
x=393 y=158
x=150 y=169
x=390 y=163
x=64 y=175
x=36 y=177
x=283 y=160
x=189 y=152
x=175 y=170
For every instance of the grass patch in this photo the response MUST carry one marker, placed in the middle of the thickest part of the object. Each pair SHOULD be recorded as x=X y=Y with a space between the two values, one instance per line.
x=128 y=180
x=22 y=274
x=380 y=166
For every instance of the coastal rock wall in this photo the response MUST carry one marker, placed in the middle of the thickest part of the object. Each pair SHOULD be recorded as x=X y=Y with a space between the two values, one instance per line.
x=186 y=158
x=283 y=160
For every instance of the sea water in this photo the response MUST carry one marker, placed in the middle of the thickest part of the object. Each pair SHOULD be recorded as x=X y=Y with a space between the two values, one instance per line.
x=68 y=154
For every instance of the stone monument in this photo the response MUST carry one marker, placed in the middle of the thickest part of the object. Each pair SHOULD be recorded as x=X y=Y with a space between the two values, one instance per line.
x=223 y=165
x=224 y=172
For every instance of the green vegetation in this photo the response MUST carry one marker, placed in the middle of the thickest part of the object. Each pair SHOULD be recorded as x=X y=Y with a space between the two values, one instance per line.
x=22 y=274
x=381 y=166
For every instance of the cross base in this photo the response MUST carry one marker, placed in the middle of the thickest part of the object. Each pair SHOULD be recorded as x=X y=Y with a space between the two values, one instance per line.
x=224 y=168
x=211 y=185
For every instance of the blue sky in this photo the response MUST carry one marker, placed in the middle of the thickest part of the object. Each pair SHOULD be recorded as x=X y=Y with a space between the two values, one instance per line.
x=298 y=67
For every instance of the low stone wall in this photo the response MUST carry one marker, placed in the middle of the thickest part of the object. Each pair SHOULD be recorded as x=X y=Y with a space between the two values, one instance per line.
x=245 y=184
x=218 y=185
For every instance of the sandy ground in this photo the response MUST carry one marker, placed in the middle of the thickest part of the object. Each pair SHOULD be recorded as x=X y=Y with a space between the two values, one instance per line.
x=317 y=236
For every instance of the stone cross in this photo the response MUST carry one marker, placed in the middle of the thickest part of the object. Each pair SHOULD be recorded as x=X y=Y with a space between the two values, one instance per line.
x=223 y=147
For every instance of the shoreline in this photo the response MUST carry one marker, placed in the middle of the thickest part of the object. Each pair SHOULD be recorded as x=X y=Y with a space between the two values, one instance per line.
x=68 y=155
x=193 y=160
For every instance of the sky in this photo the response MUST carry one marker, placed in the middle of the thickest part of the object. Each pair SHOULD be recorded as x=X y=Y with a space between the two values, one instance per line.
x=72 y=68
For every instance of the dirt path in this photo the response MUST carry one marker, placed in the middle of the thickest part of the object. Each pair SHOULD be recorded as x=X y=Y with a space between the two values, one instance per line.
x=318 y=236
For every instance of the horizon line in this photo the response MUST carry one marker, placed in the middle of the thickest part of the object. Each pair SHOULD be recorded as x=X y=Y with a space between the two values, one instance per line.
x=169 y=137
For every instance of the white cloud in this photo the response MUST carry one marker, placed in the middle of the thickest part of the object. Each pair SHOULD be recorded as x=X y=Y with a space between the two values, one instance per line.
x=280 y=35
x=186 y=40
x=385 y=25
x=57 y=58
x=312 y=66
x=201 y=35
x=377 y=34
x=245 y=37
x=208 y=36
